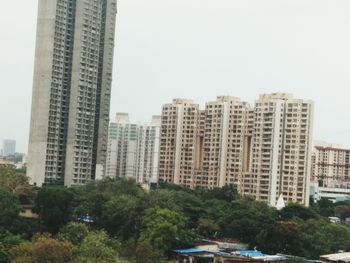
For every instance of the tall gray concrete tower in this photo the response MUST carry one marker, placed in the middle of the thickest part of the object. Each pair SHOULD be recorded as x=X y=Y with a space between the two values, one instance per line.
x=71 y=90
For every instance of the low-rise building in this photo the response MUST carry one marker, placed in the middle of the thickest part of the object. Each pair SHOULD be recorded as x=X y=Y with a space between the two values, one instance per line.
x=331 y=193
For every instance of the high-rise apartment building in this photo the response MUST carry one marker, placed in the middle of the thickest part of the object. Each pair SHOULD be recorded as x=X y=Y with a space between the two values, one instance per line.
x=330 y=165
x=71 y=90
x=265 y=150
x=8 y=147
x=133 y=149
x=148 y=151
x=281 y=149
x=178 y=154
x=224 y=155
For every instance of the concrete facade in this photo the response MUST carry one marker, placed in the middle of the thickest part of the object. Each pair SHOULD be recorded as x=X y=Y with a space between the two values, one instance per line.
x=71 y=90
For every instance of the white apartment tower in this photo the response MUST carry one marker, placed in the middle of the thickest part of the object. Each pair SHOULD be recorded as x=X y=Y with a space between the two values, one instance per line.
x=71 y=90
x=178 y=155
x=133 y=149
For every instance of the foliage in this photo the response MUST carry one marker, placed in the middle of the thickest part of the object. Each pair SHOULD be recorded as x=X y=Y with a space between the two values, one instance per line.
x=325 y=207
x=245 y=219
x=54 y=205
x=342 y=211
x=119 y=216
x=297 y=211
x=9 y=209
x=145 y=253
x=43 y=249
x=7 y=242
x=132 y=224
x=74 y=233
x=16 y=182
x=164 y=229
x=95 y=249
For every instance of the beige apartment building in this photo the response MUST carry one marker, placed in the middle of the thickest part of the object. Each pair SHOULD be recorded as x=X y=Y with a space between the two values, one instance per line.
x=225 y=137
x=330 y=165
x=281 y=149
x=178 y=154
x=265 y=150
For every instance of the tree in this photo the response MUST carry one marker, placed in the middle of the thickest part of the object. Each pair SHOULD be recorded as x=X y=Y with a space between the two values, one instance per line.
x=324 y=237
x=145 y=253
x=342 y=211
x=294 y=210
x=95 y=249
x=165 y=229
x=54 y=205
x=207 y=227
x=7 y=242
x=325 y=207
x=9 y=209
x=43 y=249
x=15 y=181
x=285 y=237
x=227 y=193
x=245 y=219
x=119 y=216
x=74 y=233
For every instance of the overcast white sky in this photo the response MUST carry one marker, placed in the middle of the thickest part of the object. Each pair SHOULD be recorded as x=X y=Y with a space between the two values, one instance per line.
x=199 y=49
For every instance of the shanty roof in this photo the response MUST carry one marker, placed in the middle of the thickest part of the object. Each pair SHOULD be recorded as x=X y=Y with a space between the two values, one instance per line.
x=196 y=250
x=254 y=254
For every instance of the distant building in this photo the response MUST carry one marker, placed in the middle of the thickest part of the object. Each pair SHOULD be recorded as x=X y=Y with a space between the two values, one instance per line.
x=8 y=147
x=133 y=149
x=330 y=165
x=333 y=194
x=265 y=150
x=330 y=173
x=71 y=91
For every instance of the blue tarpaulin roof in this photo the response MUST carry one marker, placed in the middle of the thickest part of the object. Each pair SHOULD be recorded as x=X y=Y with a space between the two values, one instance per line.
x=197 y=250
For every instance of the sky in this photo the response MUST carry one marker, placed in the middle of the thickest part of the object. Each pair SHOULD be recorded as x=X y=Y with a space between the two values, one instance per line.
x=199 y=49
